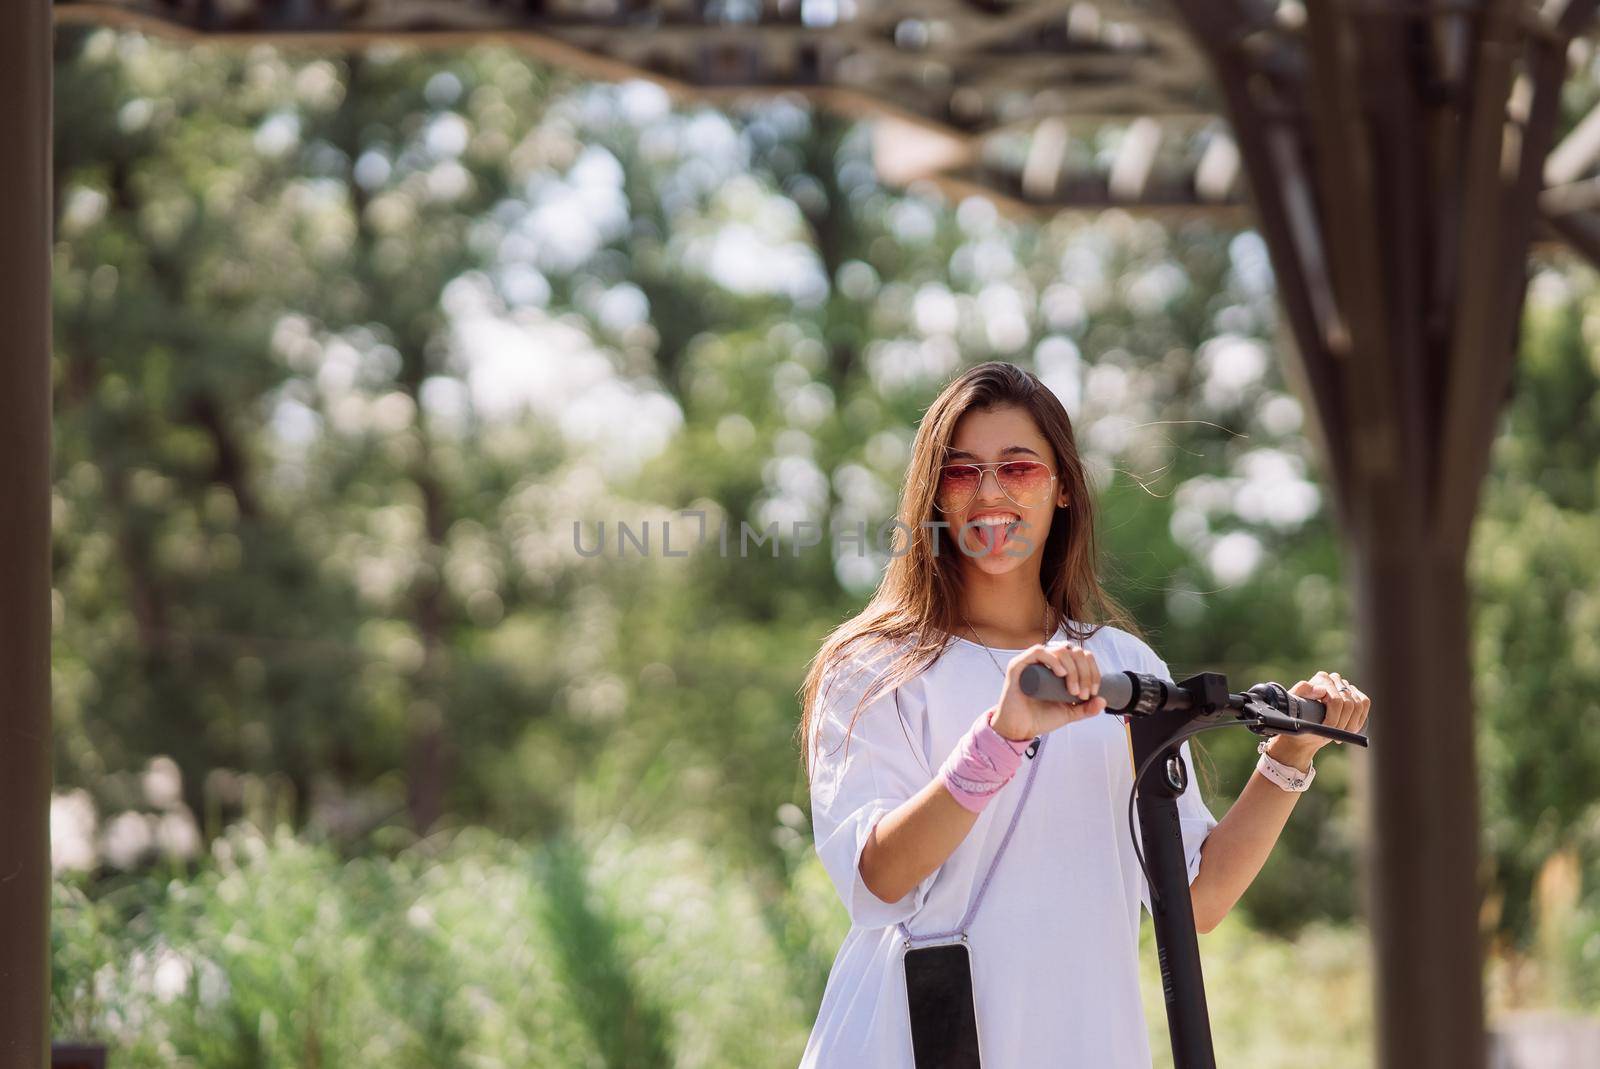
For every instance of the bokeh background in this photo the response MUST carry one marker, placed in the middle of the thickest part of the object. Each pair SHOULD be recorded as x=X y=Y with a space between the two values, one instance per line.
x=360 y=759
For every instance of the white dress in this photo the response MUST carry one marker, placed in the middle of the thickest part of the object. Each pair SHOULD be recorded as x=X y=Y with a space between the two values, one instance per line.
x=1054 y=946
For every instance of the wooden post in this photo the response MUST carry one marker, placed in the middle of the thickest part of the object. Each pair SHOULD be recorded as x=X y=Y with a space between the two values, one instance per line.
x=1401 y=259
x=25 y=79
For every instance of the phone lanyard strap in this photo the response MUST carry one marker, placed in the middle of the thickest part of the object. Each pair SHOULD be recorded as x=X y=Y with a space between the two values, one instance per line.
x=977 y=899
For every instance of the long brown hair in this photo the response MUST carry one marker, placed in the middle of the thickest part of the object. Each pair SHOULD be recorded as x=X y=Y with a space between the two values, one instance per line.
x=916 y=607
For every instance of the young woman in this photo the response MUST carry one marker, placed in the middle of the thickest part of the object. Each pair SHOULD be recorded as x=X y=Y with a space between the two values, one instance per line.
x=914 y=726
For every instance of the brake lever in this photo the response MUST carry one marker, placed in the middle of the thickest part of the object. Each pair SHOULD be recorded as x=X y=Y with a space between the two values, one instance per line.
x=1268 y=721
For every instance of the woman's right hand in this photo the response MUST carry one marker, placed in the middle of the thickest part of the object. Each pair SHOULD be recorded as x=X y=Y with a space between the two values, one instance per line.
x=1020 y=717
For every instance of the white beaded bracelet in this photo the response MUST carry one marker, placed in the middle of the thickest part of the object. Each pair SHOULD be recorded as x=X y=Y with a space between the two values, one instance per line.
x=1285 y=776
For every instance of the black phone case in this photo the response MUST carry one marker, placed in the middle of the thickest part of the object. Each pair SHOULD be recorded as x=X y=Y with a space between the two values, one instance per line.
x=944 y=1013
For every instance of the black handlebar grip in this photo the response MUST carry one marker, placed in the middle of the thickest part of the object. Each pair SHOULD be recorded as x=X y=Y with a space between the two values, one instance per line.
x=1123 y=690
x=1308 y=709
x=1041 y=684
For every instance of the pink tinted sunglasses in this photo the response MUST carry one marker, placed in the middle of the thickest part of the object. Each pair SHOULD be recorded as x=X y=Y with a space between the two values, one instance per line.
x=1025 y=483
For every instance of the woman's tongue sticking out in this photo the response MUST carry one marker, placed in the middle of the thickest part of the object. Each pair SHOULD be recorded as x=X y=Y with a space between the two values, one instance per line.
x=995 y=531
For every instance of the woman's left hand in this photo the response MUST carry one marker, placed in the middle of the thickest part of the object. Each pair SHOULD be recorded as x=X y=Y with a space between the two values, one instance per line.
x=1347 y=708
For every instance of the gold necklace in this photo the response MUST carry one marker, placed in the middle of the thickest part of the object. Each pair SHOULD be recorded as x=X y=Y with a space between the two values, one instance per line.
x=1049 y=631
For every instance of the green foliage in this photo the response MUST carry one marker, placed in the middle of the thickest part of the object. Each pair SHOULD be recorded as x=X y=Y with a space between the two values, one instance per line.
x=1274 y=1001
x=303 y=532
x=1535 y=569
x=606 y=950
x=350 y=351
x=462 y=950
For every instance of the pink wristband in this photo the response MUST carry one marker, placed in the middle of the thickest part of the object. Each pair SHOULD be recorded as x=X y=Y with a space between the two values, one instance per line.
x=981 y=763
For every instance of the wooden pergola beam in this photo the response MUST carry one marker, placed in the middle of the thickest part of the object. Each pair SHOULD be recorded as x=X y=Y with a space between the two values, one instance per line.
x=1080 y=107
x=1280 y=200
x=1480 y=375
x=25 y=758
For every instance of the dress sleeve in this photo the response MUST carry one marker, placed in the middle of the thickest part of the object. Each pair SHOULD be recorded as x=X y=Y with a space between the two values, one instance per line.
x=856 y=784
x=1194 y=819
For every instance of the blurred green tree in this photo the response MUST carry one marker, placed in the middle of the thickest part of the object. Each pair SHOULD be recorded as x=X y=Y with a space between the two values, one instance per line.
x=1535 y=569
